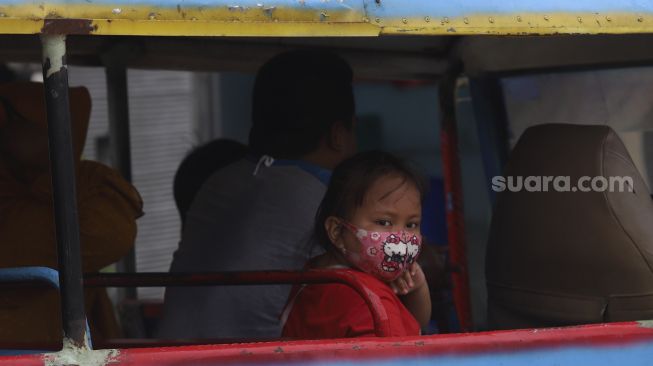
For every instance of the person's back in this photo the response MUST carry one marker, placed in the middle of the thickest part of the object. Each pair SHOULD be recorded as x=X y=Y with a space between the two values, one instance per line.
x=253 y=222
x=257 y=213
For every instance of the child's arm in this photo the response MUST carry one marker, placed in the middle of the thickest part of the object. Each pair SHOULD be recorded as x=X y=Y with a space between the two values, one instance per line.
x=414 y=293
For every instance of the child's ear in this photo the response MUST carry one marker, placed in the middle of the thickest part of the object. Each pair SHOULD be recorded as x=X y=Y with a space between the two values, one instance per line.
x=333 y=228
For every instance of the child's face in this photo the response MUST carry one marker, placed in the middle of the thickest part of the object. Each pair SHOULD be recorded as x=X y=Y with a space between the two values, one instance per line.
x=391 y=204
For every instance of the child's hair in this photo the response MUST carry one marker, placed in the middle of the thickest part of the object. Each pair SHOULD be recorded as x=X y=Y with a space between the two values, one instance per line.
x=350 y=182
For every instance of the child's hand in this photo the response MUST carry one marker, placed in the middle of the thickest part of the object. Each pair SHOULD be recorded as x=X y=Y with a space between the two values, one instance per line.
x=409 y=281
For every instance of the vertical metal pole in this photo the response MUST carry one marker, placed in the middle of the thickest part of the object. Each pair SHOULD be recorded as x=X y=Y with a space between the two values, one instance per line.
x=62 y=166
x=118 y=105
x=492 y=125
x=206 y=94
x=454 y=197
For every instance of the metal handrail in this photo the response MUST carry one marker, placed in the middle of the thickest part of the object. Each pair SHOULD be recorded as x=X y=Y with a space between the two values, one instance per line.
x=164 y=279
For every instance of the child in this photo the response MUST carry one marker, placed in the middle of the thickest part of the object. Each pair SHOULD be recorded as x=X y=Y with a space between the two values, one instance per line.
x=369 y=224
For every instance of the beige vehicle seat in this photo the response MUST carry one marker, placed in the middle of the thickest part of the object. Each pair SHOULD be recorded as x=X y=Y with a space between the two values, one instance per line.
x=563 y=258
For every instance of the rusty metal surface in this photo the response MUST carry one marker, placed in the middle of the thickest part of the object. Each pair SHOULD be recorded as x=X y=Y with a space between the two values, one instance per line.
x=68 y=26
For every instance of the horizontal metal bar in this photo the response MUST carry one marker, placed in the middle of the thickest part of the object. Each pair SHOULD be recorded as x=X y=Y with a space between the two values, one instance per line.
x=160 y=279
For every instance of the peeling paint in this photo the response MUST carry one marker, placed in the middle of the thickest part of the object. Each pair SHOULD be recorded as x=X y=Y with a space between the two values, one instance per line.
x=54 y=50
x=645 y=323
x=269 y=10
x=237 y=8
x=75 y=355
x=307 y=18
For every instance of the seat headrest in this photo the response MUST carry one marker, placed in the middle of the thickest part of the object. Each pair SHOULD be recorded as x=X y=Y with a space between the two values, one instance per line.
x=586 y=243
x=26 y=99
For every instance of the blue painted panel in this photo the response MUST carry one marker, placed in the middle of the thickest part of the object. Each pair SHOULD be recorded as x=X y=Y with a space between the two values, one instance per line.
x=631 y=355
x=395 y=8
x=399 y=8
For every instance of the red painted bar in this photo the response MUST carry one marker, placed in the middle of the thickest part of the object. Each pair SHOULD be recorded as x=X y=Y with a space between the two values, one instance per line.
x=599 y=335
x=454 y=199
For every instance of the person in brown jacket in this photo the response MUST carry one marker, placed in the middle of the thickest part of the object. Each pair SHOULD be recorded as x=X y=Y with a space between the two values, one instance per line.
x=108 y=208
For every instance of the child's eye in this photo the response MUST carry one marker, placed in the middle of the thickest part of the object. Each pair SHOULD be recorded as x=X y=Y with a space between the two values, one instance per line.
x=412 y=225
x=384 y=222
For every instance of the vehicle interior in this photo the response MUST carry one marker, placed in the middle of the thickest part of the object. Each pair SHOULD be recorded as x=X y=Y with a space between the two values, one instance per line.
x=465 y=108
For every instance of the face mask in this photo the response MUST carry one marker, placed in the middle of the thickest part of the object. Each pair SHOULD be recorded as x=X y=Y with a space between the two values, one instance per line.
x=385 y=255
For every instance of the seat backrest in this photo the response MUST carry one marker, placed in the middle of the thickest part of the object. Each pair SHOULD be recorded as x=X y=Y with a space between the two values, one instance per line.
x=560 y=258
x=44 y=277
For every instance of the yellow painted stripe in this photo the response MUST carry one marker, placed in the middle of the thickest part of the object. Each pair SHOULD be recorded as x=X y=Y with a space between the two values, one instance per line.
x=520 y=24
x=234 y=29
x=141 y=12
x=20 y=26
x=140 y=20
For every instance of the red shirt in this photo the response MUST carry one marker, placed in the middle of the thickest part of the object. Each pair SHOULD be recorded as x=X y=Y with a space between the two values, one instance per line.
x=338 y=311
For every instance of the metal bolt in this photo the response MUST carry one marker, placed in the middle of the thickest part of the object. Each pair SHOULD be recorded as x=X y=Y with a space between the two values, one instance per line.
x=519 y=19
x=466 y=20
x=427 y=19
x=117 y=11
